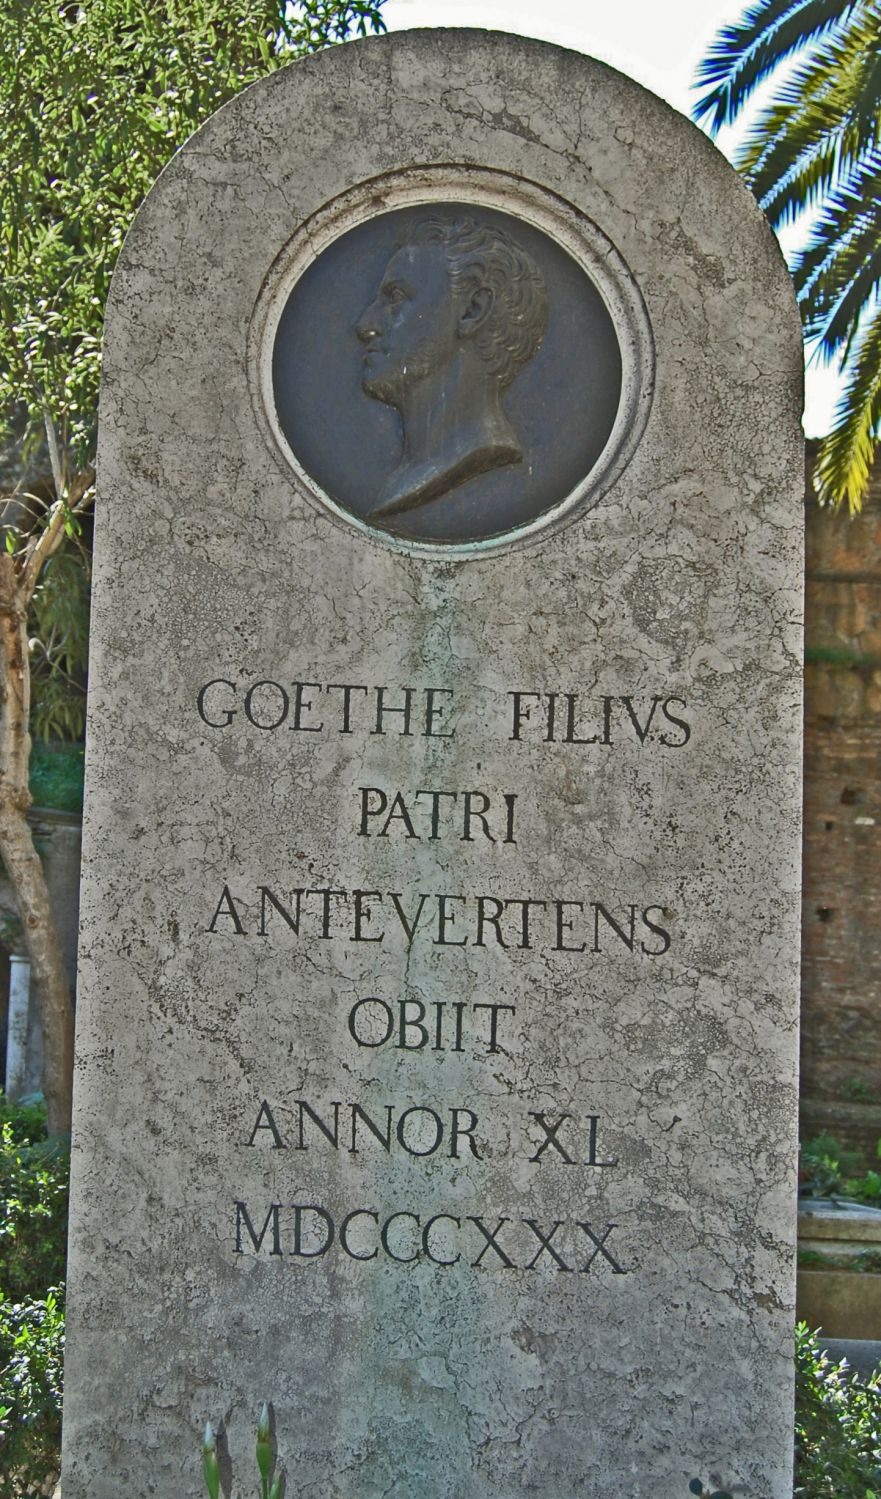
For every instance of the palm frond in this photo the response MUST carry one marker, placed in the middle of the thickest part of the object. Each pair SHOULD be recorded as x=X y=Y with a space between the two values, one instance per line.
x=835 y=327
x=852 y=206
x=842 y=251
x=822 y=119
x=802 y=185
x=845 y=457
x=816 y=147
x=743 y=55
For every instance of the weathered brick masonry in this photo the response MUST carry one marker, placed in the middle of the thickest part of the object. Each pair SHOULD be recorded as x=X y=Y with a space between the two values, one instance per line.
x=841 y=943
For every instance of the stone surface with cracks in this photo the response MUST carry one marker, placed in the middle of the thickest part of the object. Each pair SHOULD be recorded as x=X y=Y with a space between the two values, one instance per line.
x=676 y=582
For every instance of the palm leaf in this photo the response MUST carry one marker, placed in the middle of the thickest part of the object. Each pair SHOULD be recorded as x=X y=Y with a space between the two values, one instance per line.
x=800 y=180
x=845 y=457
x=837 y=274
x=837 y=332
x=849 y=215
x=743 y=55
x=817 y=147
x=822 y=120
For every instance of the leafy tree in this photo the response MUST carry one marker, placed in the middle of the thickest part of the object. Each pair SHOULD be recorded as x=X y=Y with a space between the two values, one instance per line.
x=816 y=146
x=95 y=96
x=58 y=630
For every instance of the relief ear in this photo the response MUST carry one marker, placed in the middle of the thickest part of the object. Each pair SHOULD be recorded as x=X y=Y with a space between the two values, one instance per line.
x=476 y=310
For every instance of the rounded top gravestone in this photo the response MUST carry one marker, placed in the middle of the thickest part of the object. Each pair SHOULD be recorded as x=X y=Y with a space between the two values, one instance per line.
x=438 y=976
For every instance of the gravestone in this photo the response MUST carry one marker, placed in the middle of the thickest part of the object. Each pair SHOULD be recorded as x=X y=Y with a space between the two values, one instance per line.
x=437 y=1034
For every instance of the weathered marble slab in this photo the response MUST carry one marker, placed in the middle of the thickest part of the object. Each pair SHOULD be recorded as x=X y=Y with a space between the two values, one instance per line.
x=438 y=998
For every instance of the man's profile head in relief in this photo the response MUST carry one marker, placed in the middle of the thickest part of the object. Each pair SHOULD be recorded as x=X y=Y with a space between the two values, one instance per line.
x=460 y=310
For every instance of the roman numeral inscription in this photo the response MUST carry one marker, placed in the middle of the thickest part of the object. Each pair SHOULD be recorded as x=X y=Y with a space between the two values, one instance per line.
x=421 y=1124
x=300 y=1231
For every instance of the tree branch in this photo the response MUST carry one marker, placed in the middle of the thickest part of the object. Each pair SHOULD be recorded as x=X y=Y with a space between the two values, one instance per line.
x=37 y=554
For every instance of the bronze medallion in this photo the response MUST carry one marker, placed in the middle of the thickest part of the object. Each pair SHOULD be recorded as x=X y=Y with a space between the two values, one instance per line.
x=446 y=373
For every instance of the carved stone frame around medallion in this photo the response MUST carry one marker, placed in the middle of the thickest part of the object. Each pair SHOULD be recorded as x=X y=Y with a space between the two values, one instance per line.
x=487 y=188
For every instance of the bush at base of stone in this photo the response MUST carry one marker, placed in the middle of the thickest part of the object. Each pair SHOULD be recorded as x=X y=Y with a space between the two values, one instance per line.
x=837 y=1427
x=31 y=1353
x=33 y=1223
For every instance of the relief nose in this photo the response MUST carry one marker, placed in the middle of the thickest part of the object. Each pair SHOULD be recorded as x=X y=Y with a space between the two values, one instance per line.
x=367 y=326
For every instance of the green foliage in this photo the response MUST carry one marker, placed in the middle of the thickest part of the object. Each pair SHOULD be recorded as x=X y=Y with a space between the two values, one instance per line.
x=837 y=1430
x=859 y=1090
x=812 y=1259
x=32 y=1350
x=95 y=97
x=832 y=655
x=828 y=1169
x=837 y=1427
x=33 y=1223
x=210 y=1465
x=868 y=1261
x=56 y=777
x=270 y=1488
x=33 y=1196
x=816 y=146
x=58 y=626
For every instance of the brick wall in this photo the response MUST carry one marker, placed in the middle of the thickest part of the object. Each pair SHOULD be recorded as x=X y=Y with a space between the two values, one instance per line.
x=841 y=942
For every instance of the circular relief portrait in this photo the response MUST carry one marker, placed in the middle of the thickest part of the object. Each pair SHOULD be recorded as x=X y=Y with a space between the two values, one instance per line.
x=446 y=373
